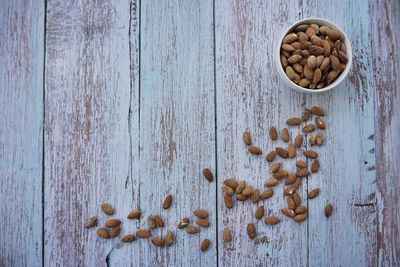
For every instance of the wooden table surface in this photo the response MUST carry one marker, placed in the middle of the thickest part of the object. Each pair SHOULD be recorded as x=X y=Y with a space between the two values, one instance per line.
x=126 y=101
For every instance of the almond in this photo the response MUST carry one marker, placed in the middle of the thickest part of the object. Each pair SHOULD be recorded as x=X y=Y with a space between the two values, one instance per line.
x=297 y=183
x=301 y=164
x=290 y=179
x=298 y=68
x=291 y=151
x=292 y=75
x=282 y=152
x=202 y=214
x=169 y=238
x=288 y=47
x=228 y=190
x=298 y=141
x=231 y=183
x=300 y=217
x=273 y=134
x=183 y=223
x=159 y=221
x=112 y=223
x=325 y=64
x=305 y=45
x=255 y=197
x=308 y=73
x=310 y=31
x=251 y=230
x=290 y=38
x=323 y=29
x=300 y=210
x=291 y=203
x=303 y=36
x=305 y=82
x=254 y=150
x=267 y=193
x=335 y=63
x=259 y=212
x=313 y=193
x=326 y=47
x=103 y=233
x=205 y=244
x=312 y=140
x=168 y=199
x=293 y=121
x=158 y=242
x=284 y=61
x=115 y=231
x=227 y=235
x=128 y=238
x=302 y=27
x=288 y=212
x=328 y=210
x=107 y=209
x=203 y=223
x=271 y=182
x=274 y=167
x=247 y=138
x=333 y=34
x=285 y=135
x=319 y=60
x=305 y=114
x=247 y=191
x=151 y=223
x=91 y=222
x=295 y=45
x=270 y=156
x=241 y=197
x=319 y=139
x=302 y=173
x=320 y=123
x=192 y=230
x=135 y=214
x=271 y=220
x=315 y=40
x=141 y=233
x=315 y=166
x=332 y=76
x=317 y=75
x=316 y=50
x=308 y=128
x=294 y=59
x=240 y=187
x=281 y=174
x=228 y=201
x=288 y=191
x=296 y=198
x=207 y=174
x=343 y=57
x=311 y=62
x=310 y=154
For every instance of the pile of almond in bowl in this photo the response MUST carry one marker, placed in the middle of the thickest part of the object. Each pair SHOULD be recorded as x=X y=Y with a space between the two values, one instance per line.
x=313 y=56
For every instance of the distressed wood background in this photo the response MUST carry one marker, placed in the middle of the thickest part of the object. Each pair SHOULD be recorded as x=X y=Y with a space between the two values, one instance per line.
x=126 y=101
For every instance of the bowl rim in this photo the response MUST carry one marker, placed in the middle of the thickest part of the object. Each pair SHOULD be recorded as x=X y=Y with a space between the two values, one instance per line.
x=321 y=22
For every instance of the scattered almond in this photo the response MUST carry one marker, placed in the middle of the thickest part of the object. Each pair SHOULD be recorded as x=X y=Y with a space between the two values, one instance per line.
x=202 y=214
x=247 y=138
x=128 y=238
x=203 y=223
x=112 y=223
x=192 y=230
x=208 y=175
x=183 y=223
x=159 y=221
x=273 y=134
x=290 y=179
x=135 y=214
x=301 y=164
x=302 y=173
x=158 y=242
x=271 y=220
x=205 y=244
x=274 y=167
x=255 y=197
x=300 y=217
x=103 y=233
x=328 y=210
x=228 y=190
x=267 y=193
x=169 y=238
x=247 y=191
x=91 y=222
x=254 y=150
x=310 y=154
x=251 y=230
x=300 y=210
x=313 y=193
x=291 y=203
x=271 y=182
x=115 y=231
x=228 y=201
x=281 y=174
x=320 y=123
x=227 y=235
x=293 y=121
x=151 y=223
x=270 y=156
x=298 y=140
x=315 y=166
x=141 y=233
x=308 y=128
x=231 y=183
x=241 y=185
x=291 y=151
x=317 y=111
x=107 y=209
x=288 y=212
x=282 y=152
x=259 y=212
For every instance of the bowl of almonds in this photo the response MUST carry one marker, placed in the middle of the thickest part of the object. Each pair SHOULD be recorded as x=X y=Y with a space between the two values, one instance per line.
x=313 y=55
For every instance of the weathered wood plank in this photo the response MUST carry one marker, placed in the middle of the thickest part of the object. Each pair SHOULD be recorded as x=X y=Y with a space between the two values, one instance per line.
x=347 y=175
x=385 y=25
x=177 y=137
x=90 y=112
x=250 y=95
x=21 y=120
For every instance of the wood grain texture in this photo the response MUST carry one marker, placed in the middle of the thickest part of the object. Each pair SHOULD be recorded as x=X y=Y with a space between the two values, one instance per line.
x=177 y=137
x=88 y=127
x=21 y=120
x=386 y=58
x=251 y=96
x=347 y=177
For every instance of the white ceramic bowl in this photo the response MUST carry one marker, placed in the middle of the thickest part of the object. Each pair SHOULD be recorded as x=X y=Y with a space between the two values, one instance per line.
x=339 y=79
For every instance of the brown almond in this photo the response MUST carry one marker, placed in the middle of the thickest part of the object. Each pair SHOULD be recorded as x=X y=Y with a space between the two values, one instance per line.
x=281 y=174
x=207 y=174
x=241 y=185
x=332 y=76
x=107 y=209
x=247 y=138
x=323 y=29
x=271 y=182
x=300 y=210
x=284 y=61
x=103 y=233
x=300 y=217
x=271 y=220
x=274 y=167
x=151 y=223
x=115 y=231
x=308 y=128
x=343 y=57
x=293 y=121
x=310 y=31
x=254 y=150
x=303 y=36
x=228 y=201
x=247 y=191
x=203 y=214
x=169 y=238
x=302 y=173
x=288 y=48
x=255 y=197
x=183 y=223
x=320 y=123
x=291 y=203
x=259 y=212
x=290 y=38
x=291 y=151
x=91 y=222
x=112 y=223
x=304 y=45
x=159 y=221
x=311 y=62
x=128 y=238
x=308 y=73
x=267 y=193
x=288 y=191
x=294 y=59
x=192 y=230
x=285 y=135
x=313 y=193
x=205 y=244
x=305 y=114
x=301 y=164
x=328 y=210
x=298 y=141
x=158 y=242
x=325 y=64
x=317 y=75
x=251 y=230
x=304 y=82
x=312 y=85
x=273 y=134
x=241 y=197
x=311 y=154
x=291 y=73
x=290 y=179
x=305 y=53
x=227 y=235
x=319 y=139
x=297 y=183
x=315 y=40
x=135 y=214
x=296 y=198
x=288 y=212
x=333 y=34
x=228 y=190
x=285 y=53
x=203 y=223
x=312 y=140
x=141 y=233
x=270 y=156
x=282 y=152
x=295 y=45
x=168 y=199
x=298 y=68
x=315 y=166
x=326 y=47
x=301 y=28
x=322 y=84
x=315 y=50
x=335 y=63
x=231 y=183
x=319 y=60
